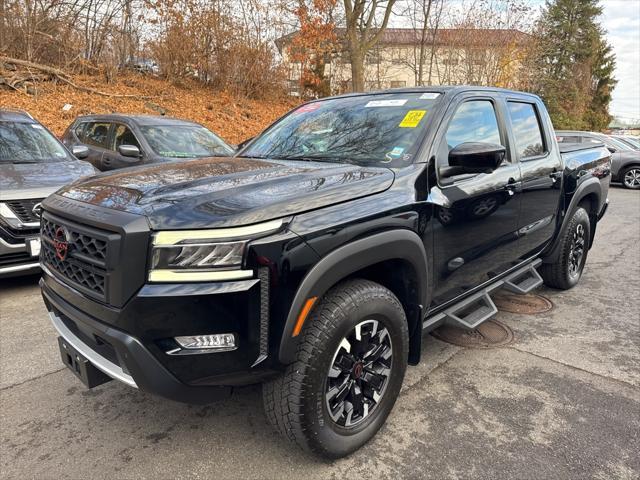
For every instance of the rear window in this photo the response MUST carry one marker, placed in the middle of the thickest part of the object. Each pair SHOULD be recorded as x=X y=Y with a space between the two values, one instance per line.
x=96 y=134
x=526 y=129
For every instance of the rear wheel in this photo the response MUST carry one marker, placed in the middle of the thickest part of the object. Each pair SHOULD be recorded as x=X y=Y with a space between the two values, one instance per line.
x=348 y=371
x=631 y=177
x=567 y=270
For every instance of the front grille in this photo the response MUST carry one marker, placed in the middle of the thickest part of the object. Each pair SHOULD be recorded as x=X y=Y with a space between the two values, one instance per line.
x=14 y=259
x=79 y=274
x=84 y=264
x=14 y=235
x=24 y=209
x=88 y=247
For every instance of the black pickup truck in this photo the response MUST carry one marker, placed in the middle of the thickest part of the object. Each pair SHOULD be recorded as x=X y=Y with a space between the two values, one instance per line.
x=314 y=260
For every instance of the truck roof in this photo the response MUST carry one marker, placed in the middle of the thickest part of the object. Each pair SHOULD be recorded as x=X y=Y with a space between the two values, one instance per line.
x=440 y=89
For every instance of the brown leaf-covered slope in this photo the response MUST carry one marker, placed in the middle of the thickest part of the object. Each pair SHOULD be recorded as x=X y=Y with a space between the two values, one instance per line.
x=234 y=119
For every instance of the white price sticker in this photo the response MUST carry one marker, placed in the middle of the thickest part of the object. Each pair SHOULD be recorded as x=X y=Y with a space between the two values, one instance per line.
x=386 y=103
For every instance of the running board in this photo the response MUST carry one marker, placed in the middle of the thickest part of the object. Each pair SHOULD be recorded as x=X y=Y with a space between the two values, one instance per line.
x=470 y=312
x=523 y=282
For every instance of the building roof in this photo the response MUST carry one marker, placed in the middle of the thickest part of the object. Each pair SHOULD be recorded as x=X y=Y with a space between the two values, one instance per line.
x=459 y=37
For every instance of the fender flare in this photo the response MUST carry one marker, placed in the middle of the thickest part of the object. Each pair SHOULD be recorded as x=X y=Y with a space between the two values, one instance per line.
x=347 y=259
x=589 y=186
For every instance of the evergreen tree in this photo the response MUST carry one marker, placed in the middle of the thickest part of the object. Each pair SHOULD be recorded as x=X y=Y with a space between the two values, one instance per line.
x=574 y=65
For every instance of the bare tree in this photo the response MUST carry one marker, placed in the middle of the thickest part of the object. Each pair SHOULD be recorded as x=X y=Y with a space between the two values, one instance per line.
x=362 y=34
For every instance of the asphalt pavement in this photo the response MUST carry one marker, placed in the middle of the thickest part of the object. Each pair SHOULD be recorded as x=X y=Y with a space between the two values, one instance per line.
x=561 y=401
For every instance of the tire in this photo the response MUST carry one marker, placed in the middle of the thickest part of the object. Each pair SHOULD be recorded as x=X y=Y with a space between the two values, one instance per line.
x=630 y=177
x=565 y=273
x=307 y=406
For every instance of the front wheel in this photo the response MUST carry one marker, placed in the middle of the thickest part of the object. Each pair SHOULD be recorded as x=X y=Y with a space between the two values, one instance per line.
x=567 y=270
x=631 y=178
x=348 y=371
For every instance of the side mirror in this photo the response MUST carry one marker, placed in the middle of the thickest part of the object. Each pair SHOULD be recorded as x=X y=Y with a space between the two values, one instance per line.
x=476 y=157
x=80 y=151
x=611 y=149
x=129 y=151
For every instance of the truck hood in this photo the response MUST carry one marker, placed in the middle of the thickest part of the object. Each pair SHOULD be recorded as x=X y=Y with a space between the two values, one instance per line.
x=39 y=180
x=220 y=192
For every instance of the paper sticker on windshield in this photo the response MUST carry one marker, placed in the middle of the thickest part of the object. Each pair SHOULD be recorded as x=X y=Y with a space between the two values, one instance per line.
x=429 y=96
x=386 y=103
x=412 y=118
x=310 y=107
x=36 y=126
x=394 y=154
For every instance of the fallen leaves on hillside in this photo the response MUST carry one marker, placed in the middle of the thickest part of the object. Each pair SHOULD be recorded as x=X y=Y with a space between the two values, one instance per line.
x=234 y=119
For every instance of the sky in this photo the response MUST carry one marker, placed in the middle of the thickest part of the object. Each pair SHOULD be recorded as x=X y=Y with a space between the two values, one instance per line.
x=621 y=19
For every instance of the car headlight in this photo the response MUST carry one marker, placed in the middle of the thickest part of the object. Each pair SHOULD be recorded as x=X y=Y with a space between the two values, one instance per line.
x=204 y=255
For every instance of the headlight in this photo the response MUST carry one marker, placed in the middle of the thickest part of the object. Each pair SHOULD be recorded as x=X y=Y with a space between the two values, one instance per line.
x=204 y=255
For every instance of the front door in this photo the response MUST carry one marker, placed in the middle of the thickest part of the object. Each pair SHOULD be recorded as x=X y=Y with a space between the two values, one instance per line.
x=476 y=215
x=121 y=135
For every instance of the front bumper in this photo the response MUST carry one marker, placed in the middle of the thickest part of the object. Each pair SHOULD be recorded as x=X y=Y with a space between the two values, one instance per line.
x=129 y=344
x=16 y=260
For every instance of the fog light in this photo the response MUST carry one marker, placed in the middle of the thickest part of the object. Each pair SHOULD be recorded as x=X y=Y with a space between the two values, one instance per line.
x=219 y=342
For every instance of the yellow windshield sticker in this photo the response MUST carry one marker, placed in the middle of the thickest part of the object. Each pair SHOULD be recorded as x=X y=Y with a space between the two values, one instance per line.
x=412 y=118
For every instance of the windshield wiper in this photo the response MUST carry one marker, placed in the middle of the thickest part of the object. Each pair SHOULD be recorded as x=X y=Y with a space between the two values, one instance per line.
x=19 y=161
x=314 y=158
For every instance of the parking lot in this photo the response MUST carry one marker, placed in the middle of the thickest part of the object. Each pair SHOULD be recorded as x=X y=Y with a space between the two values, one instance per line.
x=561 y=401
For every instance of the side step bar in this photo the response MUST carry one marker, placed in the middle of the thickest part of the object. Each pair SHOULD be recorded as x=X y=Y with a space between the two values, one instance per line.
x=522 y=283
x=479 y=307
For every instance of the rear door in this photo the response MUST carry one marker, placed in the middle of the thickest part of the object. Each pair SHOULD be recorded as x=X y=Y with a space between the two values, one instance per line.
x=121 y=134
x=477 y=214
x=541 y=167
x=95 y=136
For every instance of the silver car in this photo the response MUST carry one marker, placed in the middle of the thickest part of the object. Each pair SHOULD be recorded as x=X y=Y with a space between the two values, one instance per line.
x=33 y=164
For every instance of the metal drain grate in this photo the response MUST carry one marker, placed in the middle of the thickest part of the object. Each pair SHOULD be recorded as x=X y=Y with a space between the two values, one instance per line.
x=490 y=334
x=524 y=304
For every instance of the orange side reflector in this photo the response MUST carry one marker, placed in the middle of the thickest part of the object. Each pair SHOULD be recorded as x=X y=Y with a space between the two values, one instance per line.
x=303 y=315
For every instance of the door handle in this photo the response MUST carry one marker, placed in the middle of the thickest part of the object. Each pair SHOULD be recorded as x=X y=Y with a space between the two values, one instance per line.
x=511 y=185
x=555 y=176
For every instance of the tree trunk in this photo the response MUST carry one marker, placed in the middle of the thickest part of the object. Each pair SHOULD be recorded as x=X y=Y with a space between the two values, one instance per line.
x=357 y=71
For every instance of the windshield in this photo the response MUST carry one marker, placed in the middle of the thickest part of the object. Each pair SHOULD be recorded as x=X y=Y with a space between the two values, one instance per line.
x=29 y=143
x=184 y=141
x=366 y=129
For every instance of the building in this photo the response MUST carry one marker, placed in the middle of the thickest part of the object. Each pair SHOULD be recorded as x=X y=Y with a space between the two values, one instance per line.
x=407 y=57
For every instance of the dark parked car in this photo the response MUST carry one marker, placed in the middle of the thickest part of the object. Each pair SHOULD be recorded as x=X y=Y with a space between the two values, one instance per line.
x=33 y=164
x=625 y=160
x=314 y=260
x=117 y=141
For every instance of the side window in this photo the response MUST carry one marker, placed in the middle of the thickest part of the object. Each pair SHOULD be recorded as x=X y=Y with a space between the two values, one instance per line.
x=96 y=134
x=79 y=131
x=474 y=121
x=123 y=136
x=526 y=129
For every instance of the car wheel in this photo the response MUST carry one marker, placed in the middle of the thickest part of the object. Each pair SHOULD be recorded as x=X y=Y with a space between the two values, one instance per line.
x=567 y=270
x=631 y=178
x=349 y=368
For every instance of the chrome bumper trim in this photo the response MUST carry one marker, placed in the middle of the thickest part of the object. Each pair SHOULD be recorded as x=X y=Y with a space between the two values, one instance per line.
x=98 y=361
x=12 y=245
x=18 y=268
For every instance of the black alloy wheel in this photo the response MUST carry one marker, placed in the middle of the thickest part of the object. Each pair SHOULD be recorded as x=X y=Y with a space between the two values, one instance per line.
x=359 y=373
